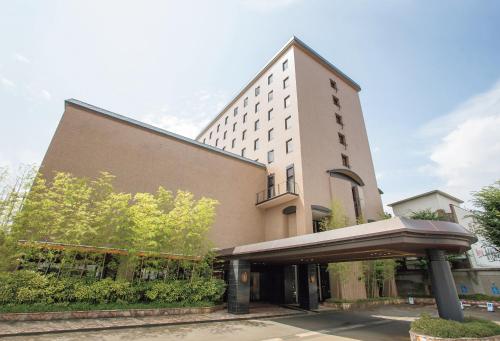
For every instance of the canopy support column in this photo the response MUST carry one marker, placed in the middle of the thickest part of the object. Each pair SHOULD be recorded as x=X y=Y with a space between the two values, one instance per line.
x=238 y=297
x=443 y=286
x=308 y=286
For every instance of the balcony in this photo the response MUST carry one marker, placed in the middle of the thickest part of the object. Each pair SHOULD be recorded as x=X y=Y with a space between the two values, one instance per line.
x=277 y=195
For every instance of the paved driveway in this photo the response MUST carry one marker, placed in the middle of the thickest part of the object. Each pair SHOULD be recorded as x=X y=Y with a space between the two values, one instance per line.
x=384 y=323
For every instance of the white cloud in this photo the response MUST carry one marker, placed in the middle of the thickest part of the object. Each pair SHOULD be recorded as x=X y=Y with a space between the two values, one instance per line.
x=7 y=82
x=21 y=58
x=379 y=175
x=190 y=116
x=268 y=5
x=467 y=154
x=183 y=126
x=46 y=95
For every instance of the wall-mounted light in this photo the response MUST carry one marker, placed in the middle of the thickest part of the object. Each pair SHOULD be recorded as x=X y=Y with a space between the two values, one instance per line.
x=244 y=277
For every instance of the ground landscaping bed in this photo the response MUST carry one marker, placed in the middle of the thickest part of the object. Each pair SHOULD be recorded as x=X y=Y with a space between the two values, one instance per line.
x=82 y=311
x=373 y=302
x=428 y=328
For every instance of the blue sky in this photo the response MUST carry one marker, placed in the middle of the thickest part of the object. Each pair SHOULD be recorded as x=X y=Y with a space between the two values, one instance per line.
x=429 y=72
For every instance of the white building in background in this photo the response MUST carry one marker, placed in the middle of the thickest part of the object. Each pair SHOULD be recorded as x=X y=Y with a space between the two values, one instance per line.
x=482 y=272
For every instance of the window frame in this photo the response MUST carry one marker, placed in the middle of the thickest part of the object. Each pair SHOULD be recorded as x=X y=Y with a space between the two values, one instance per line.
x=270 y=134
x=284 y=65
x=270 y=159
x=285 y=82
x=286 y=100
x=289 y=145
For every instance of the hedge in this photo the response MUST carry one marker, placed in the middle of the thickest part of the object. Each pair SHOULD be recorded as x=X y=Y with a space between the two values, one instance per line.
x=471 y=327
x=29 y=287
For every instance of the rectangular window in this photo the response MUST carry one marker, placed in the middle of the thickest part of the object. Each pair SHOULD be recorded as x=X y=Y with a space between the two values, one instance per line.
x=355 y=199
x=257 y=91
x=270 y=134
x=270 y=96
x=289 y=146
x=336 y=101
x=285 y=65
x=333 y=84
x=225 y=120
x=342 y=139
x=269 y=79
x=204 y=140
x=245 y=102
x=256 y=144
x=257 y=107
x=225 y=135
x=216 y=142
x=245 y=118
x=234 y=126
x=218 y=126
x=288 y=122
x=285 y=83
x=338 y=119
x=270 y=115
x=243 y=135
x=235 y=111
x=345 y=161
x=233 y=143
x=270 y=156
x=290 y=179
x=256 y=125
x=286 y=101
x=243 y=152
x=270 y=186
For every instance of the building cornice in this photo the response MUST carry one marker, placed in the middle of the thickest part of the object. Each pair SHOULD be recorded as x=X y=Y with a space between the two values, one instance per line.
x=153 y=129
x=294 y=41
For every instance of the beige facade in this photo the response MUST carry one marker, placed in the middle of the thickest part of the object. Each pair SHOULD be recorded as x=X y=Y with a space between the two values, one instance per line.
x=322 y=107
x=308 y=115
x=90 y=140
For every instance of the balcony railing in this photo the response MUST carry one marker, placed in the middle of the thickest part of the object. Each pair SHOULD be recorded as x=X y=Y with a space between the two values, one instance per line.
x=279 y=190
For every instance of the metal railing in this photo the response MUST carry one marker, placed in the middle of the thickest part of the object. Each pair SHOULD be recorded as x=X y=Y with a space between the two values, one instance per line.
x=276 y=190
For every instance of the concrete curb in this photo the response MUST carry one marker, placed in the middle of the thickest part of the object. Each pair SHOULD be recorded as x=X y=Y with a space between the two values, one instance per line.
x=92 y=314
x=146 y=325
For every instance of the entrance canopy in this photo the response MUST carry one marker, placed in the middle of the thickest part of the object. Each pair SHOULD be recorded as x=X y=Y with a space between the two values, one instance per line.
x=390 y=238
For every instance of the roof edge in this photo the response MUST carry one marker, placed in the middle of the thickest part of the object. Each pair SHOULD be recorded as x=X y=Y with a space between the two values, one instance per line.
x=436 y=191
x=152 y=128
x=292 y=41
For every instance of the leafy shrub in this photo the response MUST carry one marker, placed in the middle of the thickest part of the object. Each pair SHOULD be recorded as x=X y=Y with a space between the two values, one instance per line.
x=198 y=290
x=480 y=297
x=28 y=287
x=471 y=327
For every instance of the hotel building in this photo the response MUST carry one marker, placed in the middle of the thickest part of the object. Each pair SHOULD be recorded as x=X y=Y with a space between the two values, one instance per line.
x=290 y=142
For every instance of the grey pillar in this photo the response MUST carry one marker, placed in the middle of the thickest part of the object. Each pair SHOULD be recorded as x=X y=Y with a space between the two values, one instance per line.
x=443 y=286
x=308 y=286
x=238 y=296
x=289 y=284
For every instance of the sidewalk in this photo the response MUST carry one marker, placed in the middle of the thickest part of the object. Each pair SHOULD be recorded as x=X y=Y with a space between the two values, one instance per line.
x=60 y=326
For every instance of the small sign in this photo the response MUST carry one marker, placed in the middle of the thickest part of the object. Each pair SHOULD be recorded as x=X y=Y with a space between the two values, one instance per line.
x=411 y=300
x=489 y=306
x=462 y=305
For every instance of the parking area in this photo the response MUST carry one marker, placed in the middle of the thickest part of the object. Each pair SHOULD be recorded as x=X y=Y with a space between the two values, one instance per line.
x=382 y=323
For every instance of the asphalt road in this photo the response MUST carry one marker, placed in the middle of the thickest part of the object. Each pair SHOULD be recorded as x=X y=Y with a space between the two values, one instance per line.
x=380 y=324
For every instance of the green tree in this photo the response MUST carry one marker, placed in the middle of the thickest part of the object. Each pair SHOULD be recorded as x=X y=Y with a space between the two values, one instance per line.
x=426 y=214
x=487 y=200
x=75 y=210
